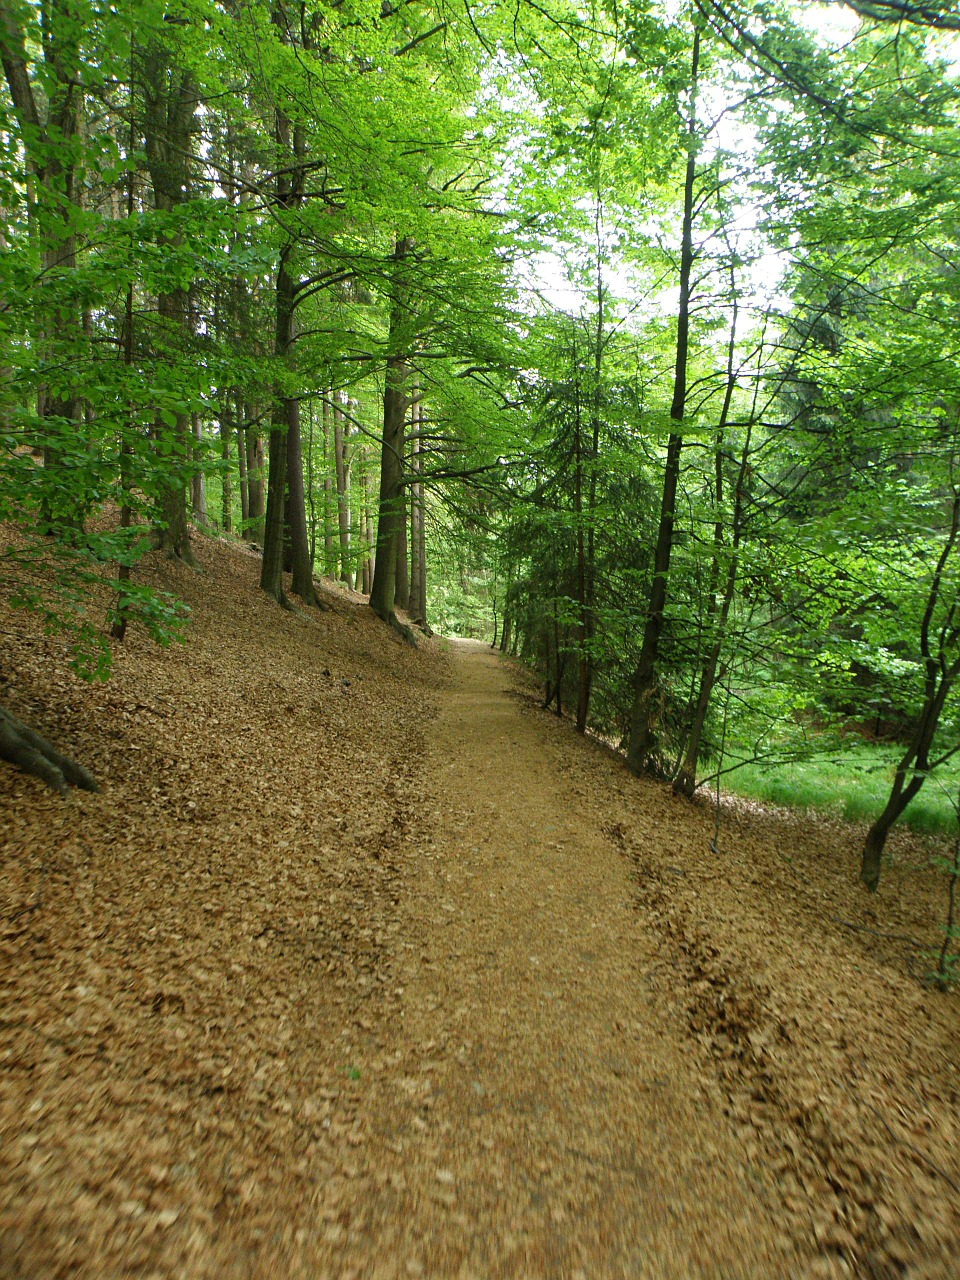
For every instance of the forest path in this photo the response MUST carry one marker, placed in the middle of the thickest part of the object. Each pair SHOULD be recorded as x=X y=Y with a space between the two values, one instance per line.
x=556 y=1125
x=363 y=966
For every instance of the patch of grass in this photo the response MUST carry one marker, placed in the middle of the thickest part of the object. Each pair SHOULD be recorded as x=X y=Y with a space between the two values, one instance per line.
x=855 y=786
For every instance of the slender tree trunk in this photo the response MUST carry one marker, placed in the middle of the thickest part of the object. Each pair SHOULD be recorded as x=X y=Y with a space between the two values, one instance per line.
x=402 y=593
x=198 y=486
x=119 y=627
x=506 y=633
x=286 y=505
x=311 y=493
x=342 y=449
x=583 y=660
x=226 y=490
x=302 y=584
x=685 y=782
x=939 y=678
x=51 y=159
x=329 y=554
x=368 y=533
x=421 y=600
x=242 y=467
x=911 y=773
x=416 y=603
x=586 y=540
x=286 y=508
x=390 y=514
x=643 y=742
x=170 y=116
x=256 y=485
x=391 y=507
x=271 y=570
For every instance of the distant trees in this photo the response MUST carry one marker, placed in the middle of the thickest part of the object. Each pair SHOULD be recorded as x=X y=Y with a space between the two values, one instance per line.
x=201 y=212
x=781 y=436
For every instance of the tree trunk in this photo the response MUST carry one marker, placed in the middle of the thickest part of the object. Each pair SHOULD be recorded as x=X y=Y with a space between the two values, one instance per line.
x=311 y=488
x=302 y=584
x=939 y=678
x=583 y=660
x=198 y=486
x=402 y=594
x=226 y=491
x=169 y=122
x=643 y=741
x=242 y=467
x=256 y=474
x=368 y=558
x=50 y=151
x=391 y=507
x=900 y=796
x=418 y=542
x=342 y=450
x=271 y=570
x=506 y=633
x=329 y=554
x=23 y=747
x=685 y=782
x=390 y=512
x=286 y=506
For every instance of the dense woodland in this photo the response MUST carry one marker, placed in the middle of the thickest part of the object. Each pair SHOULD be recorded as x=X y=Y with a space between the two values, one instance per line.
x=624 y=335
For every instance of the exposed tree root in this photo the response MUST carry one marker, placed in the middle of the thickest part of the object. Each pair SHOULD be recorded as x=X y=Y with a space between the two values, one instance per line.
x=400 y=627
x=23 y=747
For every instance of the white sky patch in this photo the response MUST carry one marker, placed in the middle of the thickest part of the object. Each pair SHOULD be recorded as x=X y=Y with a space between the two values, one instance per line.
x=833 y=23
x=548 y=274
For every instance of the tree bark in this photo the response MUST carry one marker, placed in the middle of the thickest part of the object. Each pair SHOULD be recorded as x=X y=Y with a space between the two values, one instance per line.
x=286 y=505
x=256 y=485
x=242 y=468
x=198 y=486
x=226 y=490
x=302 y=584
x=26 y=749
x=418 y=551
x=368 y=535
x=401 y=596
x=685 y=782
x=342 y=451
x=48 y=140
x=169 y=122
x=271 y=570
x=390 y=511
x=643 y=741
x=391 y=506
x=329 y=554
x=939 y=677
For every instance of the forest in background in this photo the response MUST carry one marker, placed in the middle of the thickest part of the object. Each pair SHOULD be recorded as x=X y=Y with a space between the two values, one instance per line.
x=624 y=335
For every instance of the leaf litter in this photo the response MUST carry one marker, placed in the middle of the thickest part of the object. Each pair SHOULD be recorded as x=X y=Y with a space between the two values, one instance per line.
x=361 y=966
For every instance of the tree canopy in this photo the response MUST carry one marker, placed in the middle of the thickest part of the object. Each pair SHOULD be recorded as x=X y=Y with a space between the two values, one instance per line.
x=622 y=335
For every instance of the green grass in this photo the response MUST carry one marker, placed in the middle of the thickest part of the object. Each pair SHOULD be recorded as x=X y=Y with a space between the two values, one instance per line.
x=854 y=786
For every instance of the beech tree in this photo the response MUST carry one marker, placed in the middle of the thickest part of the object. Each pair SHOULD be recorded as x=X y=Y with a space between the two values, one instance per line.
x=344 y=234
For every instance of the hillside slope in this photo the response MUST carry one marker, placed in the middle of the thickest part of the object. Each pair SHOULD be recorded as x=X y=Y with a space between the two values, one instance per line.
x=362 y=965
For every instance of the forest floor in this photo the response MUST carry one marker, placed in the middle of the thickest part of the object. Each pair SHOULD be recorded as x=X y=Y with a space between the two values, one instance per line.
x=363 y=965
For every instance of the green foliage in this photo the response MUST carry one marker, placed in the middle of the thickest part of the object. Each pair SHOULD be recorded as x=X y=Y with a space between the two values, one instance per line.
x=534 y=161
x=853 y=785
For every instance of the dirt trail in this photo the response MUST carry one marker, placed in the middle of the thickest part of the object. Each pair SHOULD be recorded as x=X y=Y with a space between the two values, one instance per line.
x=362 y=966
x=554 y=1126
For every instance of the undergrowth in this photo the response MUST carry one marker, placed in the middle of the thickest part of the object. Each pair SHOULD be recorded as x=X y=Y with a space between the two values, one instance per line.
x=854 y=786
